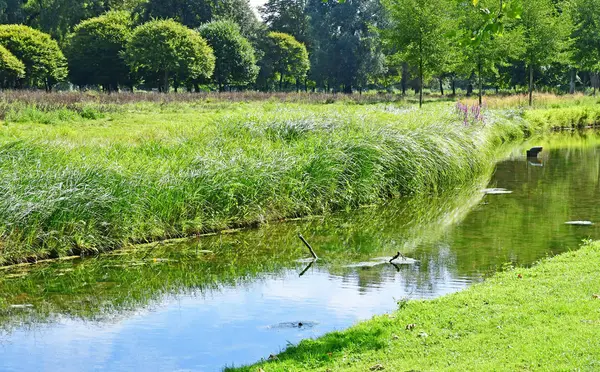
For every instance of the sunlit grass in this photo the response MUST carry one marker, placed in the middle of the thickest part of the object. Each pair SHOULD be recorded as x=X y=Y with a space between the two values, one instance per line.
x=90 y=172
x=543 y=318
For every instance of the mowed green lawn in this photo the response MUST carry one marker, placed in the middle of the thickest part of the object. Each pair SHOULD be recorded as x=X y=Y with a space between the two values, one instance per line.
x=543 y=318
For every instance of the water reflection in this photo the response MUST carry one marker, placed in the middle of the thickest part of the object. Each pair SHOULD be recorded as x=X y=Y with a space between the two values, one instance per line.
x=227 y=299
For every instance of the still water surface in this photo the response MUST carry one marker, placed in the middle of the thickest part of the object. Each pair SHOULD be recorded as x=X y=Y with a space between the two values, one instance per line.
x=233 y=299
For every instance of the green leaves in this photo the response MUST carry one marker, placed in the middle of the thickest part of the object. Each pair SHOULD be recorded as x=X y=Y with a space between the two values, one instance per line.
x=166 y=51
x=235 y=59
x=44 y=62
x=95 y=51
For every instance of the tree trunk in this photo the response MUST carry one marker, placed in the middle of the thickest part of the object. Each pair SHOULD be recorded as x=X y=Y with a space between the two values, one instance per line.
x=480 y=84
x=453 y=87
x=442 y=85
x=404 y=78
x=421 y=84
x=531 y=85
x=572 y=82
x=166 y=82
x=280 y=82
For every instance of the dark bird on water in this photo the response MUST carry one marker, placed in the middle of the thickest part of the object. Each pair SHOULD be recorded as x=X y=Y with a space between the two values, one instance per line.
x=533 y=153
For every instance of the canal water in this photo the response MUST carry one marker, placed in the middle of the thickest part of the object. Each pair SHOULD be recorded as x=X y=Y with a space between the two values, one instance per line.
x=232 y=299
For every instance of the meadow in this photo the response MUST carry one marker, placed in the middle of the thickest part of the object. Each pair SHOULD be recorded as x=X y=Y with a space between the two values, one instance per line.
x=86 y=173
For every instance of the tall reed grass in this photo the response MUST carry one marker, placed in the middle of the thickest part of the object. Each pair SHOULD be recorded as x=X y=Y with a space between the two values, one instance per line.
x=152 y=170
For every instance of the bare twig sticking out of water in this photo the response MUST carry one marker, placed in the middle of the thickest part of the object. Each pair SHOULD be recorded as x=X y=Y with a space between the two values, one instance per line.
x=396 y=257
x=307 y=267
x=308 y=246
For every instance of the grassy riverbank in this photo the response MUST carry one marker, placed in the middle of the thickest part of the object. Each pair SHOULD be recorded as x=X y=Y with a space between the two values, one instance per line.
x=543 y=318
x=93 y=173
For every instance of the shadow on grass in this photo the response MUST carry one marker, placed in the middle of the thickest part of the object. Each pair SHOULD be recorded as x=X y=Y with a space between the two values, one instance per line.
x=313 y=353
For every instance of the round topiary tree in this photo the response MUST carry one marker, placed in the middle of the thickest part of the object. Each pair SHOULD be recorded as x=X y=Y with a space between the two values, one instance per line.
x=11 y=69
x=235 y=59
x=286 y=57
x=95 y=51
x=45 y=64
x=168 y=52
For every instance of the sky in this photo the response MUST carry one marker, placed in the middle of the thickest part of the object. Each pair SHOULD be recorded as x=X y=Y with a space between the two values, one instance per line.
x=256 y=3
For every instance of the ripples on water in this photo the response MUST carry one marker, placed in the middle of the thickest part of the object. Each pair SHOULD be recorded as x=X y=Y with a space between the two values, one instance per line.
x=235 y=299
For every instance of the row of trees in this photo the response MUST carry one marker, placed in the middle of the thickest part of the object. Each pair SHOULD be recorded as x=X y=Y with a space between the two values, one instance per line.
x=348 y=45
x=111 y=52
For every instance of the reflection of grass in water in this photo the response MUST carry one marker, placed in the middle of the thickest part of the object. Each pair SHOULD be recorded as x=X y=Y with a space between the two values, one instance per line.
x=156 y=172
x=123 y=281
x=542 y=318
x=141 y=276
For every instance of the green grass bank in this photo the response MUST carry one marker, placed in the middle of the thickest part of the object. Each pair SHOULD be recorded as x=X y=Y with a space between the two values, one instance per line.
x=85 y=175
x=542 y=318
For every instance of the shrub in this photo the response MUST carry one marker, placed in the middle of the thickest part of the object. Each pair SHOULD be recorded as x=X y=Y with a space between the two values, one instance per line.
x=45 y=64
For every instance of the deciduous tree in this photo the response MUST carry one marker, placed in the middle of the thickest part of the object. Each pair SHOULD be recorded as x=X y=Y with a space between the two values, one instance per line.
x=95 y=51
x=235 y=60
x=44 y=62
x=11 y=69
x=166 y=51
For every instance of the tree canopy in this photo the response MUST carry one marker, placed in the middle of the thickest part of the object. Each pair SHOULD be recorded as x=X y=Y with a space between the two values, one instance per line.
x=44 y=61
x=284 y=58
x=419 y=29
x=331 y=46
x=11 y=69
x=164 y=52
x=95 y=51
x=235 y=60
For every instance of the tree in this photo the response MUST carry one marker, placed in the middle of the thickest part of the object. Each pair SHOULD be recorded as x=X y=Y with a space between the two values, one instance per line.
x=346 y=52
x=58 y=17
x=485 y=44
x=193 y=13
x=546 y=33
x=11 y=69
x=168 y=52
x=287 y=16
x=419 y=29
x=11 y=11
x=235 y=61
x=284 y=57
x=586 y=35
x=95 y=51
x=44 y=62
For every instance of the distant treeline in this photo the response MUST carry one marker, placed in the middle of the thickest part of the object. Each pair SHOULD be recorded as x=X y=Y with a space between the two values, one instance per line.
x=324 y=45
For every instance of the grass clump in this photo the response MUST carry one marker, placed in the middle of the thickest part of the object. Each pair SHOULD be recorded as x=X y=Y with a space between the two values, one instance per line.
x=545 y=317
x=154 y=171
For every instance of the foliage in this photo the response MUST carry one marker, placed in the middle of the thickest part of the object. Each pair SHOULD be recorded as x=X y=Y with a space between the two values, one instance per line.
x=284 y=57
x=44 y=62
x=586 y=34
x=193 y=13
x=346 y=52
x=165 y=51
x=289 y=17
x=235 y=63
x=546 y=35
x=483 y=48
x=11 y=69
x=58 y=17
x=95 y=51
x=419 y=29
